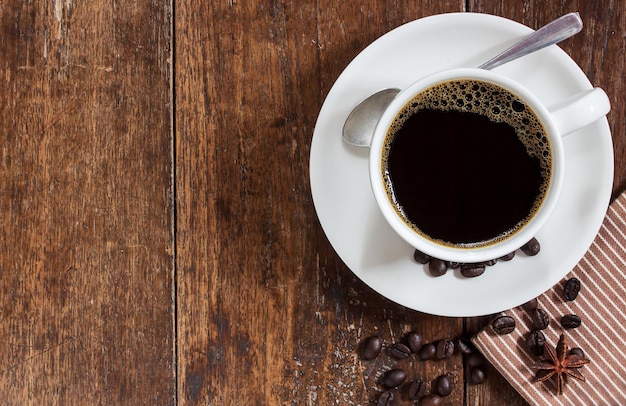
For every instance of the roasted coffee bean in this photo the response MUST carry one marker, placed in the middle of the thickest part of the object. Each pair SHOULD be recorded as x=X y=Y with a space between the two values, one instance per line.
x=445 y=349
x=454 y=265
x=503 y=325
x=417 y=389
x=431 y=400
x=534 y=342
x=531 y=248
x=415 y=341
x=428 y=351
x=508 y=256
x=437 y=267
x=464 y=345
x=371 y=347
x=443 y=385
x=477 y=375
x=541 y=320
x=571 y=289
x=393 y=378
x=570 y=321
x=475 y=359
x=531 y=304
x=400 y=351
x=577 y=351
x=387 y=398
x=490 y=262
x=420 y=257
x=472 y=270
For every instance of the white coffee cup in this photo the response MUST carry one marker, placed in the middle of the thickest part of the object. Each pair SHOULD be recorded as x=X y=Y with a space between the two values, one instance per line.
x=557 y=121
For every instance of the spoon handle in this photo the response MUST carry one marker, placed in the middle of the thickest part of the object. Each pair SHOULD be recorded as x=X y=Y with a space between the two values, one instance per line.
x=556 y=31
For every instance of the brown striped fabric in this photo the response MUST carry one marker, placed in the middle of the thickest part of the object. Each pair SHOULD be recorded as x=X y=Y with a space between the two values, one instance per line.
x=601 y=304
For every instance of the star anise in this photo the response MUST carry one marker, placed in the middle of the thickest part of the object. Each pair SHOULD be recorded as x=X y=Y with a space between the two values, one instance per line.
x=561 y=363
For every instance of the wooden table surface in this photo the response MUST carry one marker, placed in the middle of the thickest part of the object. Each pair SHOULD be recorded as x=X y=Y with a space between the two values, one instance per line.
x=159 y=241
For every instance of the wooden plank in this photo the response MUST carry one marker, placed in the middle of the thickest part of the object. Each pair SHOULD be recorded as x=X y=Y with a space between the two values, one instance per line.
x=598 y=49
x=86 y=271
x=268 y=314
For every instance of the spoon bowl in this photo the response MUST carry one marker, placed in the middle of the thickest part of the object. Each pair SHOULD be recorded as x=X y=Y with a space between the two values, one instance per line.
x=359 y=125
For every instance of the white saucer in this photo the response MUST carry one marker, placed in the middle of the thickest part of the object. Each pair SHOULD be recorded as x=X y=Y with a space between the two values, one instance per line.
x=343 y=197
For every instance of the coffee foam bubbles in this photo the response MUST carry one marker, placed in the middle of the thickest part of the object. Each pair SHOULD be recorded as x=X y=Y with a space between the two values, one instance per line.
x=487 y=99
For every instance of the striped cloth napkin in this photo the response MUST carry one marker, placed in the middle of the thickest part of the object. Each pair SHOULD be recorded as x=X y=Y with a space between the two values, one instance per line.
x=601 y=304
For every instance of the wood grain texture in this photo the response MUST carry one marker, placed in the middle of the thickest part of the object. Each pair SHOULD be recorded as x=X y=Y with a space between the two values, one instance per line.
x=267 y=312
x=86 y=310
x=160 y=244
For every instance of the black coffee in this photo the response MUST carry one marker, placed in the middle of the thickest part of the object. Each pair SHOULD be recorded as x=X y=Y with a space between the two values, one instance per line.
x=466 y=163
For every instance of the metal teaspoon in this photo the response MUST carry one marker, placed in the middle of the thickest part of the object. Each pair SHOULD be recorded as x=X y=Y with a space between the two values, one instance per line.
x=360 y=124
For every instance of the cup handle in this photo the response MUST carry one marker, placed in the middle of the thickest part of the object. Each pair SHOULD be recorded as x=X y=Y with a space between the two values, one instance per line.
x=580 y=110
